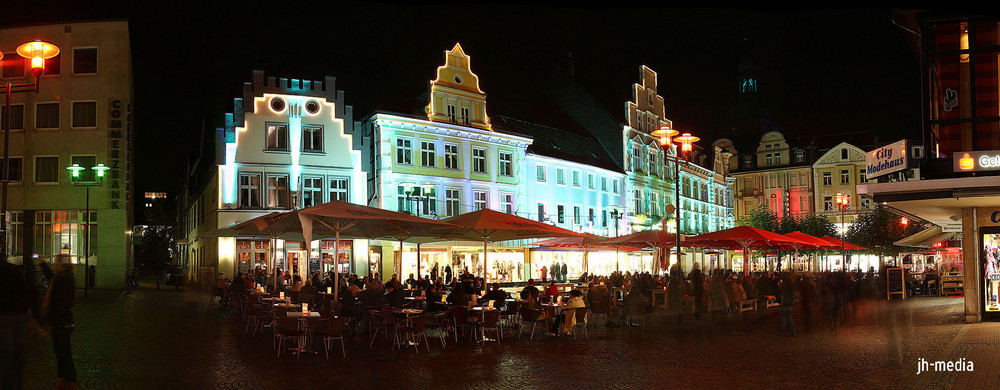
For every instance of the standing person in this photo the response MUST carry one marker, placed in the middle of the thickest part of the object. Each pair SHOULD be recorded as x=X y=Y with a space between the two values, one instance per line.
x=57 y=313
x=698 y=284
x=788 y=288
x=18 y=308
x=562 y=270
x=544 y=271
x=447 y=274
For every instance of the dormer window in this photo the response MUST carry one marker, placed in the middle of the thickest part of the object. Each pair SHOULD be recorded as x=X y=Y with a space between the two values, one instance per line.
x=747 y=162
x=800 y=156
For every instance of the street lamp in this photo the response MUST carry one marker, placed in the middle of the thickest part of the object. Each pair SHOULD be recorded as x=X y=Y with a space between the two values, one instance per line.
x=675 y=286
x=615 y=214
x=418 y=194
x=843 y=201
x=38 y=52
x=75 y=176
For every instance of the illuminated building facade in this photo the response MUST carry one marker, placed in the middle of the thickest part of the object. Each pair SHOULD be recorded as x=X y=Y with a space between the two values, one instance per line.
x=288 y=144
x=776 y=176
x=82 y=114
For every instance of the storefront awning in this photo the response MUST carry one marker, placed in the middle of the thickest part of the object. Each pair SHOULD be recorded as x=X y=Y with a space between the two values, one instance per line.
x=925 y=238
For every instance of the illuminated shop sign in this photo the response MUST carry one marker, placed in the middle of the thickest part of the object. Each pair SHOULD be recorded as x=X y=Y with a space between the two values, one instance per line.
x=988 y=160
x=887 y=159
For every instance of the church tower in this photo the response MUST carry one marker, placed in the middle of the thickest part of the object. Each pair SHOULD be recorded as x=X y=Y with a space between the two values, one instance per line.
x=455 y=94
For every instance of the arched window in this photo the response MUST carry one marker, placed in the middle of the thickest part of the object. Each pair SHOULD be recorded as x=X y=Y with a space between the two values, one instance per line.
x=747 y=161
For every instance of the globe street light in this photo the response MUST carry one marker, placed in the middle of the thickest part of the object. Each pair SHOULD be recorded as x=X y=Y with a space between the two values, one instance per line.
x=76 y=169
x=38 y=52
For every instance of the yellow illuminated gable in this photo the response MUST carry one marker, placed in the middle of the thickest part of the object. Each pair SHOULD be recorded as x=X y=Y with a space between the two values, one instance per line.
x=455 y=94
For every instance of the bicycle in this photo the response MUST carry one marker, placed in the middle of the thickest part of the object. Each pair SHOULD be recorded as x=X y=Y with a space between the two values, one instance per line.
x=130 y=282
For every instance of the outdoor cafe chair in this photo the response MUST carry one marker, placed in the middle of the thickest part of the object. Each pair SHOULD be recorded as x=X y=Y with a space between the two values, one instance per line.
x=509 y=313
x=530 y=316
x=635 y=310
x=491 y=321
x=287 y=329
x=459 y=317
x=413 y=333
x=337 y=307
x=380 y=322
x=262 y=317
x=438 y=321
x=331 y=329
x=581 y=322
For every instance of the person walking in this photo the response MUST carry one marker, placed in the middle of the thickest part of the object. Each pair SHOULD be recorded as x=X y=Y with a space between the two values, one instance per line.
x=788 y=288
x=18 y=308
x=57 y=309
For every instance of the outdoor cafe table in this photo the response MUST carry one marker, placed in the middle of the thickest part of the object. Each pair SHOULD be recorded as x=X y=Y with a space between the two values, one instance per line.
x=659 y=293
x=304 y=325
x=288 y=305
x=407 y=315
x=481 y=310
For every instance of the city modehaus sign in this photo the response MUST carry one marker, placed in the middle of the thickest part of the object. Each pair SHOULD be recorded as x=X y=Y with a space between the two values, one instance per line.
x=887 y=159
x=986 y=160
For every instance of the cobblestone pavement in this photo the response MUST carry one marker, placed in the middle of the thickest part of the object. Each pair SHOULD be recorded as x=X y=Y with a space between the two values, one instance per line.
x=175 y=340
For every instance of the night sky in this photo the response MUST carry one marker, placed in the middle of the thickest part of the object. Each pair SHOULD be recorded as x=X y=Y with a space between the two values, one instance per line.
x=820 y=70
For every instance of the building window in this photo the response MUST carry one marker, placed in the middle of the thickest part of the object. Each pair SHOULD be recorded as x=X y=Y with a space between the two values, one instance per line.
x=13 y=66
x=277 y=192
x=604 y=218
x=541 y=212
x=507 y=203
x=452 y=116
x=312 y=138
x=636 y=158
x=403 y=200
x=770 y=160
x=637 y=195
x=590 y=181
x=615 y=185
x=277 y=137
x=590 y=218
x=862 y=177
x=85 y=60
x=866 y=203
x=654 y=208
x=560 y=176
x=827 y=203
x=652 y=163
x=827 y=178
x=845 y=176
x=312 y=191
x=46 y=169
x=777 y=158
x=560 y=214
x=540 y=173
x=747 y=162
x=465 y=115
x=451 y=156
x=429 y=201
x=576 y=178
x=479 y=160
x=84 y=114
x=17 y=117
x=843 y=154
x=576 y=215
x=404 y=148
x=15 y=169
x=479 y=200
x=427 y=153
x=453 y=202
x=250 y=191
x=338 y=189
x=47 y=116
x=604 y=184
x=506 y=168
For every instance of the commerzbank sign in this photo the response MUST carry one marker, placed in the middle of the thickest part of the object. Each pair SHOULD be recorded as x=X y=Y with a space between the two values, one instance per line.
x=985 y=160
x=887 y=159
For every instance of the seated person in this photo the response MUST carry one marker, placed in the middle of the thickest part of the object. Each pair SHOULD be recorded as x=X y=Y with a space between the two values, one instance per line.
x=458 y=297
x=308 y=288
x=497 y=295
x=348 y=299
x=411 y=282
x=552 y=290
x=371 y=296
x=530 y=292
x=297 y=285
x=575 y=301
x=394 y=296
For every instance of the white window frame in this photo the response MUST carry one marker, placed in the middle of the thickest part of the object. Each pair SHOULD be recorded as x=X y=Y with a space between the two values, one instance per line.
x=72 y=114
x=58 y=115
x=428 y=156
x=249 y=189
x=845 y=176
x=560 y=176
x=480 y=159
x=576 y=178
x=404 y=151
x=332 y=190
x=307 y=187
x=480 y=198
x=591 y=184
x=278 y=197
x=72 y=65
x=267 y=142
x=452 y=158
x=540 y=169
x=453 y=201
x=34 y=170
x=507 y=202
x=505 y=168
x=312 y=129
x=827 y=179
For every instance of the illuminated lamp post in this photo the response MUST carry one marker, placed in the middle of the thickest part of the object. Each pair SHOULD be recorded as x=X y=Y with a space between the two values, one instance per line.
x=76 y=169
x=38 y=52
x=843 y=201
x=675 y=286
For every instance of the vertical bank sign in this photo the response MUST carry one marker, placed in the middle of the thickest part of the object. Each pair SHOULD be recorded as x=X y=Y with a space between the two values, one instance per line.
x=887 y=159
x=116 y=133
x=986 y=160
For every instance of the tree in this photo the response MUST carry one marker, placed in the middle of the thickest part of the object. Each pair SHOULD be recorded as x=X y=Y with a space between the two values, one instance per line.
x=760 y=217
x=787 y=224
x=878 y=230
x=817 y=226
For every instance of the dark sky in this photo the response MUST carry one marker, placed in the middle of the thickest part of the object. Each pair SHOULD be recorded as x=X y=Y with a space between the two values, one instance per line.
x=820 y=70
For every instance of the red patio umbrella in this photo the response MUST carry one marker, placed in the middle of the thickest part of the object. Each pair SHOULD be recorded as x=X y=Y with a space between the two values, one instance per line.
x=586 y=242
x=846 y=245
x=659 y=239
x=746 y=238
x=492 y=226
